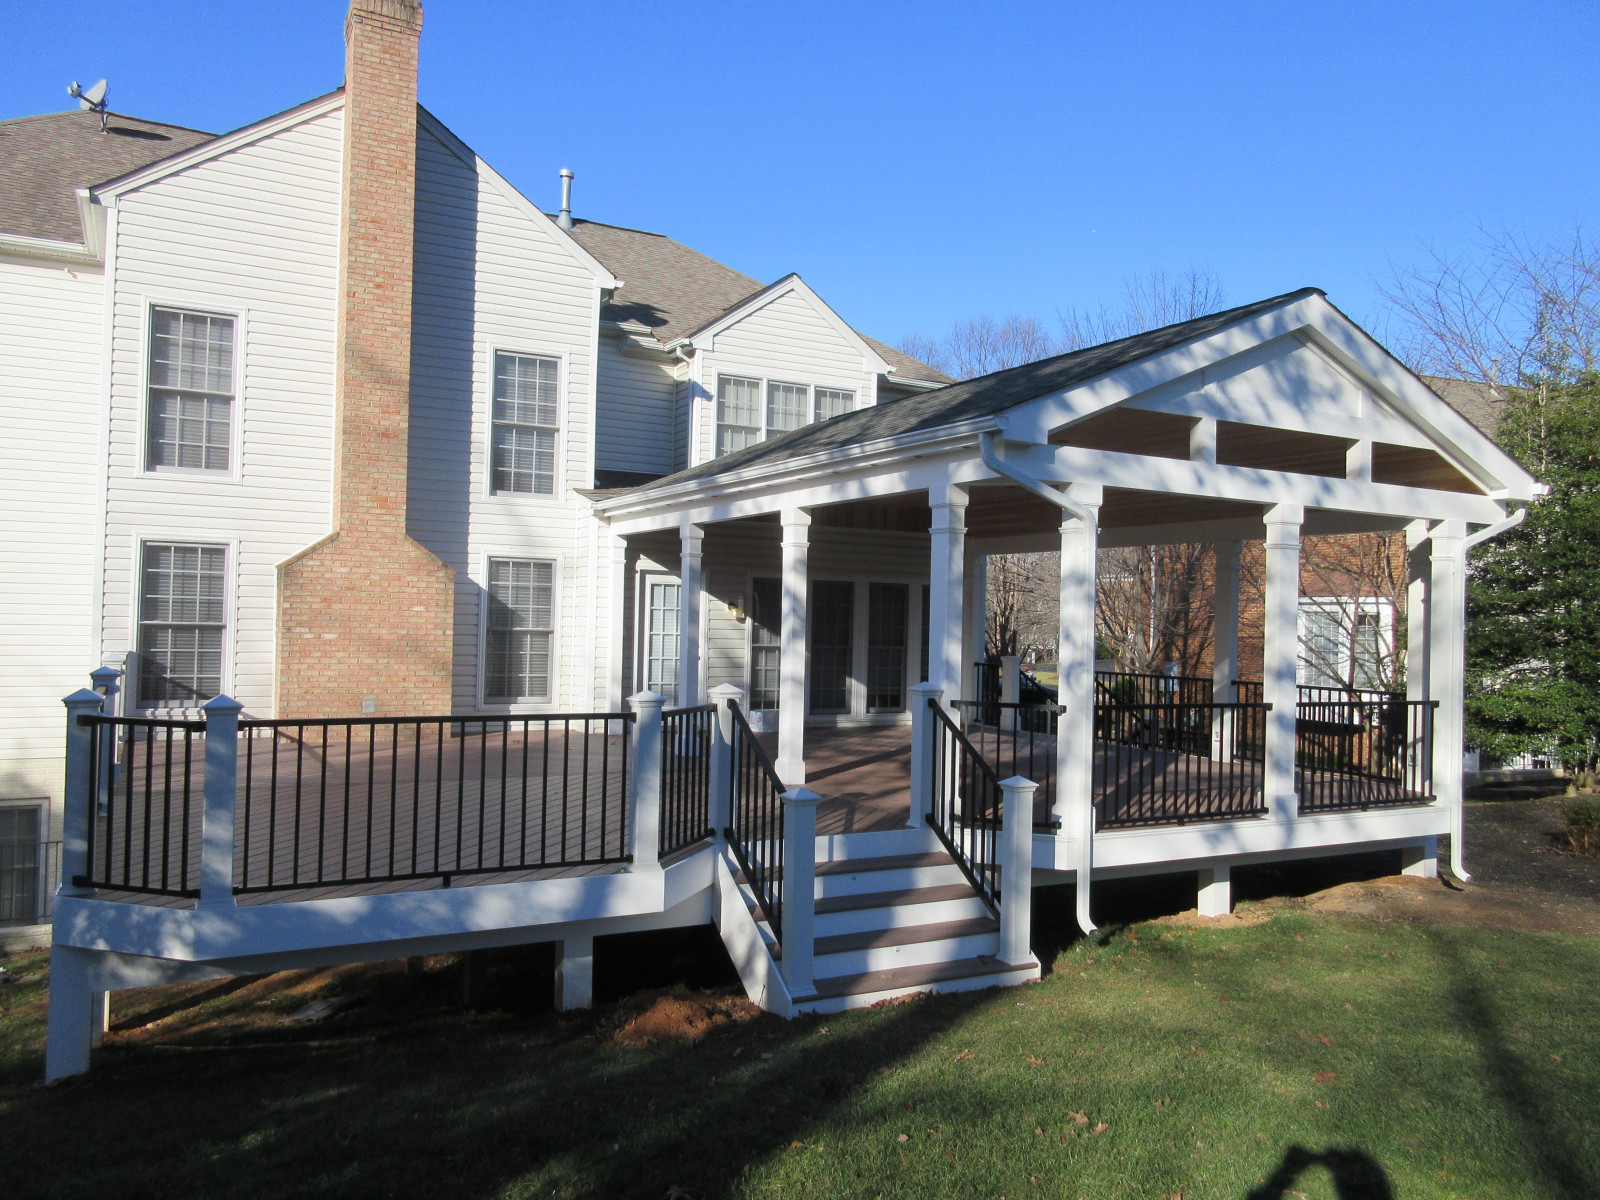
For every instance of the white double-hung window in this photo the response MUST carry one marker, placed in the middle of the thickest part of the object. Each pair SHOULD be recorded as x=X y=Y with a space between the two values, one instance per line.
x=832 y=402
x=526 y=423
x=189 y=421
x=521 y=630
x=738 y=413
x=788 y=407
x=183 y=621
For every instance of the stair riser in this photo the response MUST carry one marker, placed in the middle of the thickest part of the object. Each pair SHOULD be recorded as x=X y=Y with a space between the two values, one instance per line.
x=883 y=958
x=898 y=879
x=898 y=916
x=867 y=999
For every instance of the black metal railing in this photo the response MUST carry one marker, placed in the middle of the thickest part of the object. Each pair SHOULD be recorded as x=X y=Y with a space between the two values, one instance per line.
x=1145 y=687
x=145 y=803
x=1250 y=691
x=987 y=678
x=30 y=872
x=1170 y=764
x=1353 y=752
x=966 y=808
x=336 y=801
x=1020 y=740
x=755 y=834
x=686 y=776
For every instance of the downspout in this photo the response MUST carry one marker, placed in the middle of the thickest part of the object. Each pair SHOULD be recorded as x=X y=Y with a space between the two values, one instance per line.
x=1495 y=530
x=1084 y=867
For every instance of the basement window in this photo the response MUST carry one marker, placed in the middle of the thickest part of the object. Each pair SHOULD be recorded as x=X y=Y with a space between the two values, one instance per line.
x=526 y=422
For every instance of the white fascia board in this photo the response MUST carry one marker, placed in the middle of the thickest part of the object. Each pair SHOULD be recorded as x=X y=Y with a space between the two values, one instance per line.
x=218 y=146
x=789 y=285
x=16 y=245
x=916 y=385
x=467 y=155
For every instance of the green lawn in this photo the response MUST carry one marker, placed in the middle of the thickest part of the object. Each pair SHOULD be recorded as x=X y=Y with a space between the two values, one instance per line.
x=1168 y=1061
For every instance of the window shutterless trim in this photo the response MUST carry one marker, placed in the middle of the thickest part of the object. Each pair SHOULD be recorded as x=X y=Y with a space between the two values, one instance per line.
x=493 y=351
x=144 y=363
x=142 y=621
x=502 y=703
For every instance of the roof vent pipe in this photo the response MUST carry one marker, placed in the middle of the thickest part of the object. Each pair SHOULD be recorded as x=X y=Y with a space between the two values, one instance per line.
x=565 y=219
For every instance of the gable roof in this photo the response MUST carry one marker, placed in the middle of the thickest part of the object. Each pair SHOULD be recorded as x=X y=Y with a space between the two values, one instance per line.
x=674 y=290
x=47 y=158
x=1477 y=402
x=987 y=395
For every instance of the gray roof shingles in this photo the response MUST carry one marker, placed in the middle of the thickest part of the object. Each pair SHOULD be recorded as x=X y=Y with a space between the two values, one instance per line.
x=45 y=158
x=1477 y=402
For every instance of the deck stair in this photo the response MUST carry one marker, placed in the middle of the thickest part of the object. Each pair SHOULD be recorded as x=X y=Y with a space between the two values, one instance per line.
x=895 y=918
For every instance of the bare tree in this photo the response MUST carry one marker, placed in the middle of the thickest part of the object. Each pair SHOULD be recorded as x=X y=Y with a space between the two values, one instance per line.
x=1153 y=606
x=1023 y=605
x=1148 y=302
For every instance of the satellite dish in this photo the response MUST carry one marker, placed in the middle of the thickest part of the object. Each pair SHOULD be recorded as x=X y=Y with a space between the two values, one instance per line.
x=93 y=100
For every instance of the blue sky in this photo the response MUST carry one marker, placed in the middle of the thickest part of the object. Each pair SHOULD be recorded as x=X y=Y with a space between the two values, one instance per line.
x=919 y=163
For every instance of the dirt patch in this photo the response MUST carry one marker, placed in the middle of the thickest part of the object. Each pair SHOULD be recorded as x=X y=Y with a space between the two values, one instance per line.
x=676 y=1015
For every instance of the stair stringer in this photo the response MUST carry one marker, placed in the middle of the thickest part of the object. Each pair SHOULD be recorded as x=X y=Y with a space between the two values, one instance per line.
x=763 y=982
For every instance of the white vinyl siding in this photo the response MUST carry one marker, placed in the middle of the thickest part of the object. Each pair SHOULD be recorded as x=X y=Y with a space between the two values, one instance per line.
x=190 y=420
x=526 y=420
x=638 y=425
x=521 y=630
x=738 y=413
x=183 y=624
x=833 y=402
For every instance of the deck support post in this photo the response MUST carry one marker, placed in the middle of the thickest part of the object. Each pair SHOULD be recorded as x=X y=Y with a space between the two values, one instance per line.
x=644 y=799
x=1280 y=657
x=1447 y=617
x=799 y=890
x=1421 y=860
x=1074 y=805
x=1216 y=891
x=946 y=589
x=724 y=696
x=575 y=972
x=69 y=1025
x=77 y=803
x=1225 y=646
x=221 y=793
x=922 y=753
x=691 y=589
x=1010 y=689
x=791 y=761
x=100 y=1019
x=1016 y=870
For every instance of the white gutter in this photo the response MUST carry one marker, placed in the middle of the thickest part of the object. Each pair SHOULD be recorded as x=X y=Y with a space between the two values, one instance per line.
x=1054 y=495
x=1495 y=530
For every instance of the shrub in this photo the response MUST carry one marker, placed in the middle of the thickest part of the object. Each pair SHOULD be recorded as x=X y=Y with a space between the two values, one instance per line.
x=1583 y=827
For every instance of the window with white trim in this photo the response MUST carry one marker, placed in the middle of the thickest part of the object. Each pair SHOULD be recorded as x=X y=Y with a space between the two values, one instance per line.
x=526 y=423
x=738 y=413
x=663 y=636
x=189 y=421
x=833 y=402
x=1345 y=640
x=183 y=623
x=521 y=629
x=788 y=407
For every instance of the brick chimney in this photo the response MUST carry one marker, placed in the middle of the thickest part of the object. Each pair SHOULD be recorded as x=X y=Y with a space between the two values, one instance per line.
x=366 y=615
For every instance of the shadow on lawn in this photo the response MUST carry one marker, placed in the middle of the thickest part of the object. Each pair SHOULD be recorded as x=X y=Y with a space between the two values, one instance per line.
x=1355 y=1175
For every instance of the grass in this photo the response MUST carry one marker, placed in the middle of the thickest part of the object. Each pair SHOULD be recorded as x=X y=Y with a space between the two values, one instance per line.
x=1161 y=1061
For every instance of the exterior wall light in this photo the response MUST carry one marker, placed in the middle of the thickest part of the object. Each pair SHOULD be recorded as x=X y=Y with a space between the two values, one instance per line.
x=736 y=608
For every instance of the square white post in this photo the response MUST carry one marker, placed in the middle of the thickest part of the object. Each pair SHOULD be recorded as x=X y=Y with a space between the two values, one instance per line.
x=70 y=1022
x=1225 y=645
x=107 y=681
x=922 y=753
x=1421 y=860
x=724 y=696
x=1419 y=569
x=946 y=560
x=691 y=580
x=1280 y=656
x=78 y=805
x=644 y=803
x=791 y=761
x=221 y=791
x=1074 y=803
x=1216 y=891
x=799 y=890
x=1447 y=621
x=575 y=972
x=974 y=607
x=1010 y=689
x=1016 y=869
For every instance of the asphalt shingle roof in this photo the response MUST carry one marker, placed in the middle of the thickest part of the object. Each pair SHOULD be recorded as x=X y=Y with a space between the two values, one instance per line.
x=986 y=395
x=44 y=159
x=1477 y=402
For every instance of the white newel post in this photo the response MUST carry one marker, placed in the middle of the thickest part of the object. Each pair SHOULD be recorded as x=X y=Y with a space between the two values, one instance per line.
x=1010 y=689
x=691 y=589
x=724 y=696
x=922 y=753
x=1225 y=645
x=799 y=889
x=1074 y=804
x=1016 y=870
x=1447 y=619
x=644 y=804
x=107 y=681
x=77 y=803
x=1280 y=657
x=945 y=589
x=221 y=792
x=791 y=761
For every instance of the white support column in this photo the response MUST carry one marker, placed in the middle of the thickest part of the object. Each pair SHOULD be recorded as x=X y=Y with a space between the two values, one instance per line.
x=974 y=607
x=1216 y=891
x=221 y=791
x=1010 y=689
x=791 y=760
x=69 y=1025
x=691 y=580
x=575 y=972
x=723 y=695
x=1418 y=573
x=1225 y=645
x=1421 y=860
x=921 y=753
x=1016 y=870
x=945 y=589
x=616 y=686
x=1280 y=656
x=1447 y=619
x=1074 y=804
x=799 y=890
x=644 y=819
x=77 y=804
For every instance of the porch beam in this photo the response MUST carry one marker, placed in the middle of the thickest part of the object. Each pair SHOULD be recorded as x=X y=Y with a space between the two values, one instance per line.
x=1074 y=802
x=1447 y=618
x=1280 y=656
x=691 y=581
x=791 y=760
x=946 y=589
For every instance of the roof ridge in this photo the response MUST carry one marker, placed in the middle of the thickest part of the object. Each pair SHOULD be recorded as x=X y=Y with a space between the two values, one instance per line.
x=73 y=112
